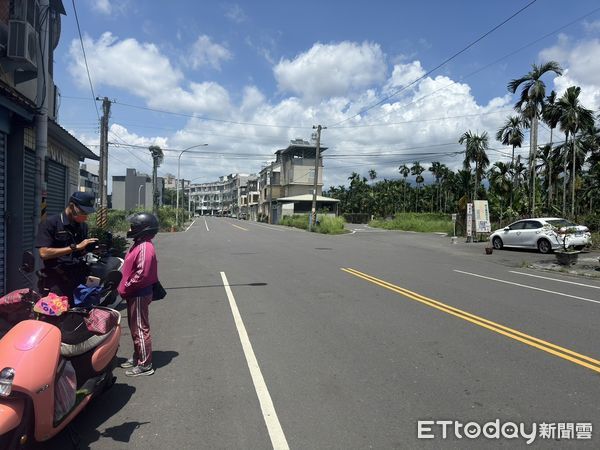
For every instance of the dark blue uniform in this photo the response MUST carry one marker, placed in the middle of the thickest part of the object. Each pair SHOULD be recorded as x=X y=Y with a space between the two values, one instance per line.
x=65 y=273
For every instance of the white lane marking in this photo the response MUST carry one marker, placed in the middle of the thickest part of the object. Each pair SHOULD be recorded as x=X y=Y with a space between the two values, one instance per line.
x=529 y=287
x=278 y=439
x=190 y=225
x=554 y=279
x=206 y=224
x=269 y=227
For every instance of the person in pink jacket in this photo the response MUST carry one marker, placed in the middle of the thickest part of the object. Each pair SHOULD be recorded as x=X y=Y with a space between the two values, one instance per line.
x=140 y=272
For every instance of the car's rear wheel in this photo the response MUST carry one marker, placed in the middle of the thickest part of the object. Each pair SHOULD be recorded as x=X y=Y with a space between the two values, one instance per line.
x=497 y=243
x=544 y=246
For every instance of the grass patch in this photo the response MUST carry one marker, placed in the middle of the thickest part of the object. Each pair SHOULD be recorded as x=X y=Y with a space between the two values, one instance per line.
x=596 y=241
x=420 y=222
x=331 y=225
x=327 y=224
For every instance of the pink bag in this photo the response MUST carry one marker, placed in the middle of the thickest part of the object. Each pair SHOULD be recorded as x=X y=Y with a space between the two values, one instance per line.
x=101 y=321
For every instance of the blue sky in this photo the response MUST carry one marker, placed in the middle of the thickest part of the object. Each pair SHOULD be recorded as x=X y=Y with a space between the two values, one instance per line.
x=246 y=77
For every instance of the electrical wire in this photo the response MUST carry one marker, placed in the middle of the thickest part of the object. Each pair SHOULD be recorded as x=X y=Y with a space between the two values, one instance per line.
x=438 y=66
x=85 y=60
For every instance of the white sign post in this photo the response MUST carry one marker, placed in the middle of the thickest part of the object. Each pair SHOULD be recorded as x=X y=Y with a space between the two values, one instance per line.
x=482 y=217
x=454 y=217
x=469 y=221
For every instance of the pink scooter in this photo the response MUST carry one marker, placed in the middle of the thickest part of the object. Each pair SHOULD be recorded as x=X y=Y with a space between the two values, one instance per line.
x=44 y=382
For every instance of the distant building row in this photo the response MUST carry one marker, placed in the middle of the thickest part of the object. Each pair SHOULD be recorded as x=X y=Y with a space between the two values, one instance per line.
x=284 y=187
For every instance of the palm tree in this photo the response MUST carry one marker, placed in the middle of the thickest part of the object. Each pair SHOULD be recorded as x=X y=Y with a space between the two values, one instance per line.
x=530 y=104
x=417 y=169
x=511 y=134
x=475 y=152
x=500 y=182
x=405 y=172
x=573 y=118
x=550 y=115
x=437 y=169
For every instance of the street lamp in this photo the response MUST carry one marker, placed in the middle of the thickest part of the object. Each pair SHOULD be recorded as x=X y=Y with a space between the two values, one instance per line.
x=178 y=168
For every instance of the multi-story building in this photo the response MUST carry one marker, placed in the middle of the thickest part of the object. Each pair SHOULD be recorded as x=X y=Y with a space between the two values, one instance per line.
x=290 y=176
x=134 y=191
x=284 y=186
x=224 y=197
x=89 y=180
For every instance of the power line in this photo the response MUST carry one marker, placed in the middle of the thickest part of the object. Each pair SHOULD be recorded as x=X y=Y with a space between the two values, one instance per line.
x=508 y=55
x=438 y=66
x=193 y=116
x=85 y=60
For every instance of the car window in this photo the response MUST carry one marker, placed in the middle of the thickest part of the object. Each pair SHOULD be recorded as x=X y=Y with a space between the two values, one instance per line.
x=532 y=225
x=558 y=223
x=517 y=225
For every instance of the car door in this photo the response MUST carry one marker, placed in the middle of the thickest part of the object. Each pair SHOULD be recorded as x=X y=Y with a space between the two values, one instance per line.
x=530 y=233
x=511 y=236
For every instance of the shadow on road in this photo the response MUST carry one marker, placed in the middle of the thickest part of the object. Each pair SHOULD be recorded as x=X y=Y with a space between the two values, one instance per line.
x=84 y=430
x=211 y=286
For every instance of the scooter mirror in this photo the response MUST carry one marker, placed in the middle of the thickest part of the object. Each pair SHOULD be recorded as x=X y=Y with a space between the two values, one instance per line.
x=27 y=262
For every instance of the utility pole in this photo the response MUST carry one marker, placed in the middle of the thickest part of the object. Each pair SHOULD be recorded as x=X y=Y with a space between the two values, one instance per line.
x=102 y=218
x=41 y=118
x=317 y=156
x=157 y=158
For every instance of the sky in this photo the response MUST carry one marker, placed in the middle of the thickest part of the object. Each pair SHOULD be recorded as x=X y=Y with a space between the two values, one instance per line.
x=246 y=77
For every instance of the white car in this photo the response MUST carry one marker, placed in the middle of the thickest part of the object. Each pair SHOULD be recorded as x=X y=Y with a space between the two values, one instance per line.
x=544 y=233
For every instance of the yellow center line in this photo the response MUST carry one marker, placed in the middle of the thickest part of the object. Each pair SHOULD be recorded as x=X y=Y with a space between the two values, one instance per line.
x=540 y=344
x=241 y=228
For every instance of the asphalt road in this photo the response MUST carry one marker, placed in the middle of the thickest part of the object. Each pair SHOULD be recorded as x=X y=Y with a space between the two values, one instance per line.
x=346 y=342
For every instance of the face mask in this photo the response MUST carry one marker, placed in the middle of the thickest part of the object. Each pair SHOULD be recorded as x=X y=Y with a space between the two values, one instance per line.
x=80 y=219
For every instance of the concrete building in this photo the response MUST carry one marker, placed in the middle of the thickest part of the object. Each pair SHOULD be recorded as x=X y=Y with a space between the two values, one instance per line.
x=291 y=175
x=134 y=190
x=19 y=73
x=218 y=198
x=89 y=180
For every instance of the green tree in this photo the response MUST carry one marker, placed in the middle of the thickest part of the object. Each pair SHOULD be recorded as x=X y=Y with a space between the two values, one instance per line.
x=511 y=133
x=533 y=91
x=405 y=172
x=551 y=116
x=573 y=118
x=475 y=152
x=417 y=169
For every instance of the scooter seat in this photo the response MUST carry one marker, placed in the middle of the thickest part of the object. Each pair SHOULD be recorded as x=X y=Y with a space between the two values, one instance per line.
x=70 y=350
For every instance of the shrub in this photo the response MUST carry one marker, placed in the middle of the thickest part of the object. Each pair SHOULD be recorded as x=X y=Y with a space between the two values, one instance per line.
x=422 y=222
x=296 y=221
x=330 y=225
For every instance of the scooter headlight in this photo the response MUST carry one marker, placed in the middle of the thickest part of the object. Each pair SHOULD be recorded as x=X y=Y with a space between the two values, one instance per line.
x=6 y=380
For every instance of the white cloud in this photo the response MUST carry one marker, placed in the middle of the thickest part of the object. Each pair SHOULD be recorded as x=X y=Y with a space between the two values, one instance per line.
x=592 y=27
x=581 y=61
x=235 y=13
x=141 y=69
x=332 y=82
x=102 y=6
x=205 y=52
x=332 y=70
x=405 y=74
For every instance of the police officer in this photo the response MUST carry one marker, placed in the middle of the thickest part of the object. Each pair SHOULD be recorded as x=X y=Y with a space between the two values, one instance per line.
x=61 y=240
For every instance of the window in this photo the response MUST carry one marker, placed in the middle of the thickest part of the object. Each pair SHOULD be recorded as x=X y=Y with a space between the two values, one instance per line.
x=518 y=226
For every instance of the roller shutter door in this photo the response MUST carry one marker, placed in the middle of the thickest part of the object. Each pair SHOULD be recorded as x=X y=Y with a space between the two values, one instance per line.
x=56 y=187
x=29 y=222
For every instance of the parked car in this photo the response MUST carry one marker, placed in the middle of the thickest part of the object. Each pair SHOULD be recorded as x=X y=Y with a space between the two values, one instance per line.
x=545 y=234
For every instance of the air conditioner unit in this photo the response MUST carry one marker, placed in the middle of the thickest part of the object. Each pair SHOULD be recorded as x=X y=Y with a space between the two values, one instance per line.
x=22 y=44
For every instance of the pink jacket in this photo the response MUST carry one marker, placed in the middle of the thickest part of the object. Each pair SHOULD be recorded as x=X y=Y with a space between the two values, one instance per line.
x=139 y=269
